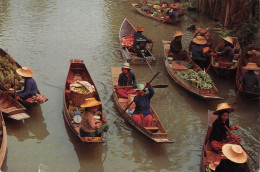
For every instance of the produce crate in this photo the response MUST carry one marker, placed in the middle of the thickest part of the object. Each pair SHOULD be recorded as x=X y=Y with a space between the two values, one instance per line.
x=78 y=99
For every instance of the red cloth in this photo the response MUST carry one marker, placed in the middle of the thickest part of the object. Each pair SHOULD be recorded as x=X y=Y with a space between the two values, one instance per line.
x=123 y=93
x=217 y=146
x=144 y=121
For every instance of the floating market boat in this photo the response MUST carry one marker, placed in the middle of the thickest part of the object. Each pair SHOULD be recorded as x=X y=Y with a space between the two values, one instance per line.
x=208 y=155
x=156 y=133
x=227 y=69
x=79 y=75
x=178 y=68
x=3 y=140
x=154 y=15
x=9 y=77
x=126 y=38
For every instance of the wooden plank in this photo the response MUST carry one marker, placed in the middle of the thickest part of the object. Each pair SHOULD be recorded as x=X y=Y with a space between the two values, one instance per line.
x=19 y=116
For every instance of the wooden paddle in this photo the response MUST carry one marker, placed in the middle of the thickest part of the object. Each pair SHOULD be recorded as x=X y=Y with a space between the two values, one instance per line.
x=242 y=146
x=237 y=94
x=133 y=100
x=190 y=16
x=147 y=62
x=154 y=86
x=161 y=22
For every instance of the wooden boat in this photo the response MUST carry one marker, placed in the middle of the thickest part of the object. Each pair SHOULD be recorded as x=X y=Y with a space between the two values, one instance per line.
x=127 y=30
x=3 y=140
x=208 y=155
x=173 y=67
x=12 y=108
x=156 y=133
x=140 y=8
x=227 y=69
x=25 y=103
x=71 y=100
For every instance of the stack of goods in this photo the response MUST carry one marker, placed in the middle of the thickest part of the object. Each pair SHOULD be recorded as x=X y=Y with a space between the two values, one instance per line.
x=200 y=79
x=38 y=98
x=127 y=41
x=254 y=56
x=202 y=32
x=8 y=73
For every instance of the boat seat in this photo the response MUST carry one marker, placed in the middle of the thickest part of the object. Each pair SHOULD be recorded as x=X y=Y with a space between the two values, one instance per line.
x=152 y=129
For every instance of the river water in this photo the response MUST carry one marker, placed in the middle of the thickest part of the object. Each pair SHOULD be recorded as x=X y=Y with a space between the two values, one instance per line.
x=45 y=34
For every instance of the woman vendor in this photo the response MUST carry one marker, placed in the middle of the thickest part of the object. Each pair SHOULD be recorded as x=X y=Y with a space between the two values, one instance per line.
x=89 y=127
x=142 y=114
x=228 y=52
x=249 y=79
x=219 y=134
x=30 y=86
x=176 y=50
x=126 y=78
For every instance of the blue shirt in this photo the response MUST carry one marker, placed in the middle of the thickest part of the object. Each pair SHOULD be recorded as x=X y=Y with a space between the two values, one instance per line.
x=30 y=89
x=228 y=54
x=174 y=15
x=138 y=35
x=197 y=52
x=249 y=80
x=123 y=80
x=143 y=103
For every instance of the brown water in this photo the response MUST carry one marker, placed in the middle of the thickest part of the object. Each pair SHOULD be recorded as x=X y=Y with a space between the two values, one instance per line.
x=46 y=34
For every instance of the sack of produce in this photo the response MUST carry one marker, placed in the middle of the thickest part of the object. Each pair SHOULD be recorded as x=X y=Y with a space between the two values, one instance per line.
x=202 y=32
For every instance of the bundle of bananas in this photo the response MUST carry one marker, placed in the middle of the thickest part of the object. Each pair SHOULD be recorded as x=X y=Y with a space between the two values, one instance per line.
x=199 y=79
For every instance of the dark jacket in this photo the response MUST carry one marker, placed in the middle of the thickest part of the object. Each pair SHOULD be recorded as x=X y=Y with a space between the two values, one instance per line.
x=123 y=80
x=138 y=35
x=218 y=132
x=227 y=54
x=249 y=80
x=197 y=52
x=174 y=15
x=226 y=165
x=30 y=89
x=175 y=47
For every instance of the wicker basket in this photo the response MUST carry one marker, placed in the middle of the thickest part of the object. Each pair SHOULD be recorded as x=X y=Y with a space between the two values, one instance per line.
x=78 y=99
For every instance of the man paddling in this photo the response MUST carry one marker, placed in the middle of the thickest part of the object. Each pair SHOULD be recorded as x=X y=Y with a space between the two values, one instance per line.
x=137 y=36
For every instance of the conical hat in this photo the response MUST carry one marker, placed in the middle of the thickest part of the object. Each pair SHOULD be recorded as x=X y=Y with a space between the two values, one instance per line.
x=251 y=66
x=213 y=165
x=234 y=153
x=126 y=65
x=90 y=102
x=178 y=33
x=25 y=72
x=199 y=40
x=139 y=28
x=223 y=106
x=228 y=39
x=140 y=87
x=174 y=6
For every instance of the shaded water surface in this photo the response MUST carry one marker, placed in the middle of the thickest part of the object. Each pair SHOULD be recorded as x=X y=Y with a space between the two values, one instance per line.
x=46 y=34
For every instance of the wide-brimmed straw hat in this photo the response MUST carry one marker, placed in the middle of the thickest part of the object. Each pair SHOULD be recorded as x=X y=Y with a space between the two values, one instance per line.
x=213 y=165
x=199 y=40
x=178 y=33
x=174 y=6
x=90 y=102
x=251 y=66
x=223 y=107
x=126 y=65
x=228 y=39
x=139 y=28
x=140 y=87
x=25 y=72
x=234 y=153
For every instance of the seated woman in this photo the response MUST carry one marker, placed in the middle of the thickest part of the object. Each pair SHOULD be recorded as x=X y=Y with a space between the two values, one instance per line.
x=126 y=78
x=236 y=159
x=142 y=114
x=228 y=52
x=173 y=16
x=177 y=4
x=219 y=134
x=176 y=50
x=30 y=86
x=89 y=127
x=249 y=79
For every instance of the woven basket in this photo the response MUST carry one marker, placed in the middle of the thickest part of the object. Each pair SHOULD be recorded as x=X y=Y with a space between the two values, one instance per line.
x=78 y=99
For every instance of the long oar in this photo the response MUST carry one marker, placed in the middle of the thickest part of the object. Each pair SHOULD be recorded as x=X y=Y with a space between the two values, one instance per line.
x=154 y=86
x=242 y=146
x=133 y=100
x=147 y=61
x=237 y=94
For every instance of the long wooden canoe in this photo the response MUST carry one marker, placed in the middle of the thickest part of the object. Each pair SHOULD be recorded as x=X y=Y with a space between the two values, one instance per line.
x=3 y=140
x=173 y=68
x=3 y=88
x=78 y=71
x=140 y=7
x=127 y=29
x=208 y=155
x=156 y=133
x=223 y=69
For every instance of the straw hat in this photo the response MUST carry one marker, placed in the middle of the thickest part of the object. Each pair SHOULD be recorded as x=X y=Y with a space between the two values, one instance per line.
x=199 y=40
x=25 y=72
x=178 y=33
x=174 y=6
x=251 y=66
x=126 y=65
x=213 y=165
x=139 y=28
x=234 y=153
x=228 y=39
x=90 y=102
x=140 y=87
x=223 y=106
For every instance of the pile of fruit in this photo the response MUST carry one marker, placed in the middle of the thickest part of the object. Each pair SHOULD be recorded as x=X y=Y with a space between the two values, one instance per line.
x=128 y=40
x=82 y=87
x=8 y=76
x=202 y=32
x=199 y=79
x=253 y=53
